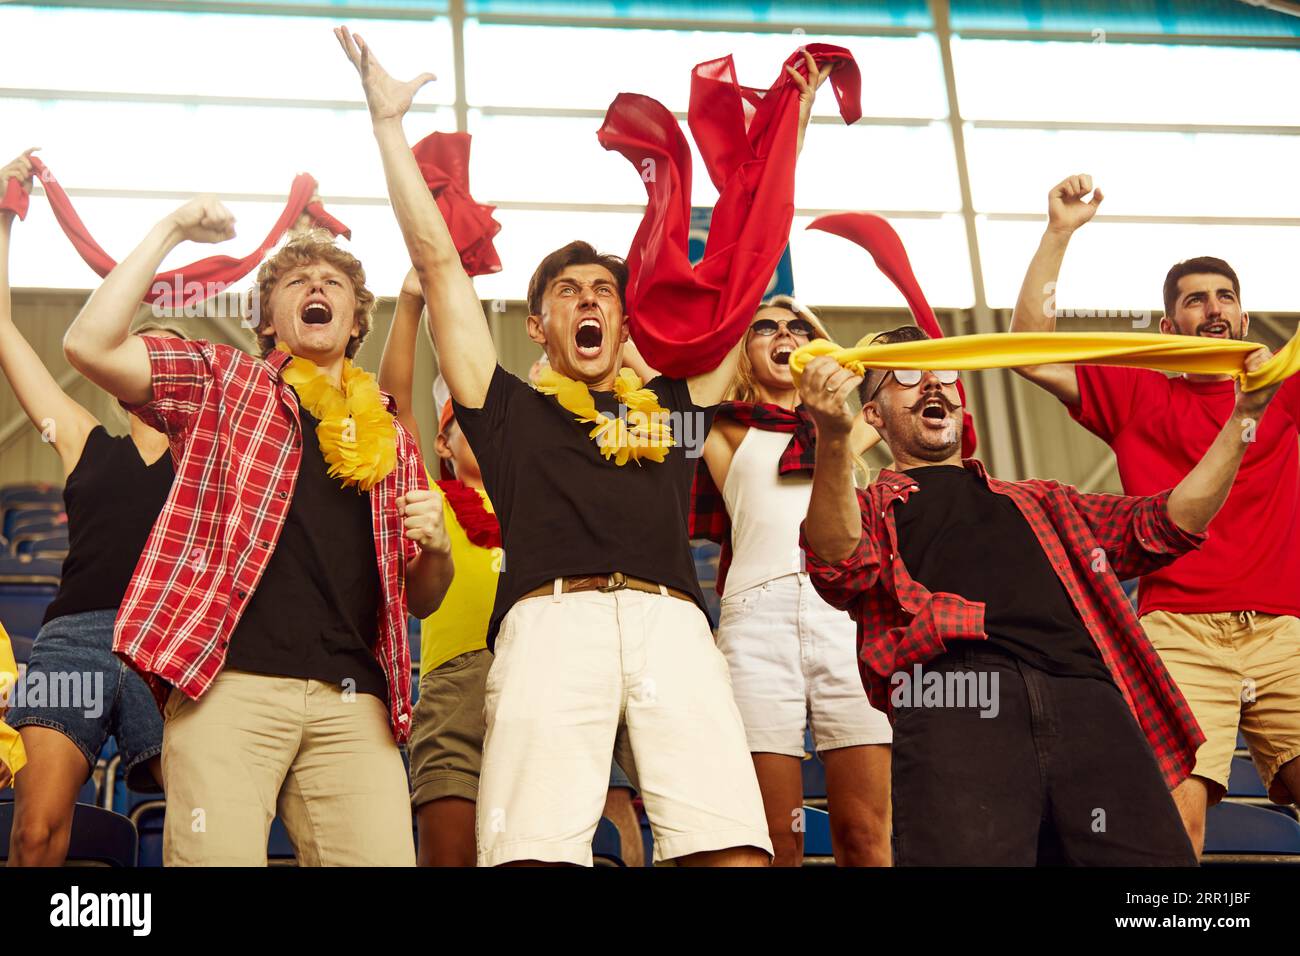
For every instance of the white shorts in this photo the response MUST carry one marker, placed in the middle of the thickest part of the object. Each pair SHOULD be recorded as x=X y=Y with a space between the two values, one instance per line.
x=794 y=662
x=579 y=676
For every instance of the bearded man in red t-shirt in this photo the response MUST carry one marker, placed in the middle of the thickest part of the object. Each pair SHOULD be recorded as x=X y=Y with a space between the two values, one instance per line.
x=1225 y=618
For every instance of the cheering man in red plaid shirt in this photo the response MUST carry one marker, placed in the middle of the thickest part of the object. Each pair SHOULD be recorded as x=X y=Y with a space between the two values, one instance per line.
x=268 y=610
x=1033 y=721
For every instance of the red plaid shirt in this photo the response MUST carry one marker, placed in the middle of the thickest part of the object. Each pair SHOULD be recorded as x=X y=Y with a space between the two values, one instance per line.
x=235 y=441
x=1092 y=541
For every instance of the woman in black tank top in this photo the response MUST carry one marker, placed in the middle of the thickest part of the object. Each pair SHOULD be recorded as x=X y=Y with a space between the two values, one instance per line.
x=76 y=692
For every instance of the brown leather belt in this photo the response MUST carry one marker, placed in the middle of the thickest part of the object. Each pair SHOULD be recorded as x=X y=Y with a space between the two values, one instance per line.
x=618 y=581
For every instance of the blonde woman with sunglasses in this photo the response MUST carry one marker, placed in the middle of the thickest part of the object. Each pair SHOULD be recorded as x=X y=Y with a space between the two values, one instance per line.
x=792 y=656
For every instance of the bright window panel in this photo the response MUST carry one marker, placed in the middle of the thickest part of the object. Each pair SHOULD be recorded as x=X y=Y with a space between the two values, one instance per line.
x=1153 y=174
x=832 y=271
x=212 y=54
x=1126 y=82
x=878 y=167
x=192 y=149
x=527 y=236
x=586 y=67
x=1122 y=266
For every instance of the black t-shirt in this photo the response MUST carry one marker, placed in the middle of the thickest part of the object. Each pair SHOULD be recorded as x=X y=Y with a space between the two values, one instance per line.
x=564 y=510
x=958 y=536
x=315 y=613
x=113 y=499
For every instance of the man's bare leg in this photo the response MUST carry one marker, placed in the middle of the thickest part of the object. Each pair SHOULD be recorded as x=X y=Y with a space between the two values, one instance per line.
x=1192 y=797
x=733 y=856
x=446 y=828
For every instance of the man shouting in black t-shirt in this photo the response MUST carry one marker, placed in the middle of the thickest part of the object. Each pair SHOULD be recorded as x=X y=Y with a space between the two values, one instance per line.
x=600 y=639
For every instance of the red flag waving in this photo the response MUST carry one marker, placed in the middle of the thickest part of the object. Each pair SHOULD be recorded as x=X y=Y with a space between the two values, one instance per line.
x=444 y=160
x=686 y=318
x=877 y=236
x=201 y=276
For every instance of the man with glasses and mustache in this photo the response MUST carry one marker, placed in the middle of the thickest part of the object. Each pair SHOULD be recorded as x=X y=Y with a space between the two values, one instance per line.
x=790 y=653
x=1225 y=619
x=960 y=584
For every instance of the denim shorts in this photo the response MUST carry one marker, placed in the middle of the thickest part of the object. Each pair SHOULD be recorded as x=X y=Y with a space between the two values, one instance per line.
x=76 y=685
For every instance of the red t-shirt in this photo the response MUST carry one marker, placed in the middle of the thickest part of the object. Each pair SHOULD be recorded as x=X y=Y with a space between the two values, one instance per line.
x=1159 y=428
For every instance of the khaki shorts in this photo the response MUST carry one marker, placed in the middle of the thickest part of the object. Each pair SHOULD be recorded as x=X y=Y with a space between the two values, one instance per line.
x=447 y=729
x=1236 y=669
x=253 y=746
x=578 y=677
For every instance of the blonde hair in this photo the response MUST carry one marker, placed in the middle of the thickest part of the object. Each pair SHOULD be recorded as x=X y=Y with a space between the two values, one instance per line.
x=744 y=387
x=304 y=249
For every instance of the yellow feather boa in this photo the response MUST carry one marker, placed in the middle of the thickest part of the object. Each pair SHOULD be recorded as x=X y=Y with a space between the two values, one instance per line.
x=357 y=436
x=1170 y=353
x=645 y=433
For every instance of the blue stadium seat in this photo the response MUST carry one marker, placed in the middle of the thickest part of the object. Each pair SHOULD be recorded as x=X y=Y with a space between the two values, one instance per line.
x=1241 y=741
x=413 y=635
x=1241 y=830
x=816 y=832
x=38 y=520
x=14 y=511
x=606 y=845
x=99 y=837
x=27 y=492
x=51 y=544
x=23 y=606
x=1243 y=779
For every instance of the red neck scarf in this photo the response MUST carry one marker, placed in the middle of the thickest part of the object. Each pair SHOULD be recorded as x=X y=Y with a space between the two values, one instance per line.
x=198 y=276
x=685 y=318
x=479 y=524
x=878 y=237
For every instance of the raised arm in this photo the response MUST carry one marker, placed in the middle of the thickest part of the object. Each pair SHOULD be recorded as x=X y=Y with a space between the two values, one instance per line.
x=456 y=317
x=709 y=388
x=1035 y=310
x=62 y=421
x=397 y=366
x=834 y=524
x=1199 y=496
x=99 y=344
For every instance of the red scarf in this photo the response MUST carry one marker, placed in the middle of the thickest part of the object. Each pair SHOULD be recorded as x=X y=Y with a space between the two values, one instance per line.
x=197 y=275
x=709 y=518
x=444 y=160
x=479 y=524
x=878 y=237
x=685 y=318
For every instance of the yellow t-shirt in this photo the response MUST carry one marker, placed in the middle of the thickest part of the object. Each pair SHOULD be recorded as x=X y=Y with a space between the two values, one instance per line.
x=460 y=624
x=12 y=753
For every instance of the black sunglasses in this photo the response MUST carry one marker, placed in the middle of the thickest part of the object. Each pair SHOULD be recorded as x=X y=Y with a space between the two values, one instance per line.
x=799 y=328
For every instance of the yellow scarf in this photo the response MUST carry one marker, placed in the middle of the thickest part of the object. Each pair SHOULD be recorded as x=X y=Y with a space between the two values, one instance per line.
x=12 y=754
x=644 y=434
x=356 y=433
x=1170 y=353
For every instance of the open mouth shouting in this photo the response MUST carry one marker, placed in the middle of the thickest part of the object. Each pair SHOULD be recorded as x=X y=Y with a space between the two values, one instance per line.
x=1218 y=329
x=781 y=353
x=935 y=411
x=317 y=311
x=589 y=337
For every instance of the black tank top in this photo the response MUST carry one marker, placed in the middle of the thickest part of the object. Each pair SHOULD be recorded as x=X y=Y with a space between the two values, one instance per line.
x=112 y=498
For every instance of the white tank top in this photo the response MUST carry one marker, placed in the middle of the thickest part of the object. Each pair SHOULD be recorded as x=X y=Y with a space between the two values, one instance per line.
x=766 y=511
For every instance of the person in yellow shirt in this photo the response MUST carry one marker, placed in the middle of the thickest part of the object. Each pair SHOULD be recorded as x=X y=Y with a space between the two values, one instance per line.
x=12 y=755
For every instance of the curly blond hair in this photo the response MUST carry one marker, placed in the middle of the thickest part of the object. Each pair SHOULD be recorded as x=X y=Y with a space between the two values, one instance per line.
x=304 y=249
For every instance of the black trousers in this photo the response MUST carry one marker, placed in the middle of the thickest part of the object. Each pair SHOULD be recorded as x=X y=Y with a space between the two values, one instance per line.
x=1062 y=774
